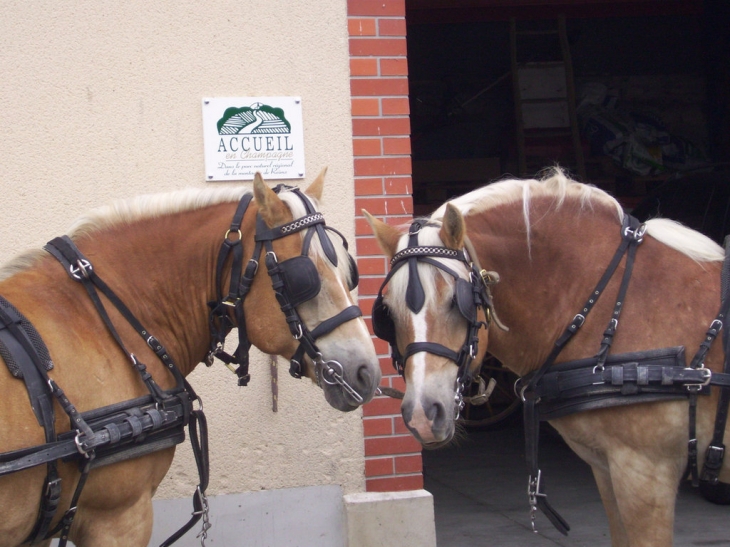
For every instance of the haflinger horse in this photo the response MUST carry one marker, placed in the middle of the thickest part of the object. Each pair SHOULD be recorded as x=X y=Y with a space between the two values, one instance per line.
x=105 y=325
x=614 y=382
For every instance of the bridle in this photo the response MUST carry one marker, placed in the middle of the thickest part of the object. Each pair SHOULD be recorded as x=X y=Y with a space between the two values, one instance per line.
x=469 y=296
x=294 y=281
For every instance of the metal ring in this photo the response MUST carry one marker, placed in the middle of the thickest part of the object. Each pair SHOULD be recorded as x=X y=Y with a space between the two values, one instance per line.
x=240 y=235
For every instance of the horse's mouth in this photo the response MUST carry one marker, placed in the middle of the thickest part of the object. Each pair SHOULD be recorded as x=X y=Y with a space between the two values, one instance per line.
x=341 y=400
x=437 y=444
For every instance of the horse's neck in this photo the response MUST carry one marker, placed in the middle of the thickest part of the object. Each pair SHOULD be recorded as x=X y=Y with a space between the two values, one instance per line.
x=164 y=271
x=543 y=287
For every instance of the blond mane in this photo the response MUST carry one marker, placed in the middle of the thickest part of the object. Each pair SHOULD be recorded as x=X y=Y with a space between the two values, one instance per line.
x=127 y=211
x=557 y=185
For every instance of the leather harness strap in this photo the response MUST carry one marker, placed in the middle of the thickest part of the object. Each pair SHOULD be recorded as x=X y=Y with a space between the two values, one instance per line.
x=605 y=380
x=631 y=236
x=17 y=343
x=716 y=450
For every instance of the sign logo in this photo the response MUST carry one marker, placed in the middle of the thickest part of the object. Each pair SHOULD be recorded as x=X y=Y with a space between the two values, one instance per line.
x=248 y=134
x=258 y=118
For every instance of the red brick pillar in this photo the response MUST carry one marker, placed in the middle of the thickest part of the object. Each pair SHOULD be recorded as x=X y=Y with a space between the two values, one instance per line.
x=383 y=186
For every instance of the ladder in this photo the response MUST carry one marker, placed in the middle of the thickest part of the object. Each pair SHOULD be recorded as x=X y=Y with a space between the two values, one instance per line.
x=544 y=95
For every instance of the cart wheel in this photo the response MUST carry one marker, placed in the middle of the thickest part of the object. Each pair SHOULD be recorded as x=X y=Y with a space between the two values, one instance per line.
x=501 y=404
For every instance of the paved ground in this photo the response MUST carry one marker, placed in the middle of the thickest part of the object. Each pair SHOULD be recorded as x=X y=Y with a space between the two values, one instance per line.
x=480 y=497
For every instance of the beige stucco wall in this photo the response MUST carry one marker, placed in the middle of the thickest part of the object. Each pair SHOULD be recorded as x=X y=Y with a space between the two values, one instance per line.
x=102 y=100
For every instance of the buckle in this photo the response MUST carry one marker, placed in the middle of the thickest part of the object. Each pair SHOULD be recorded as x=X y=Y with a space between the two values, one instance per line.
x=706 y=374
x=714 y=455
x=83 y=270
x=578 y=320
x=635 y=235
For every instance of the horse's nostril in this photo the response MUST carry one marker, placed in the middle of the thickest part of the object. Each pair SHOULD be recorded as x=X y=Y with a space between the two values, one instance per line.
x=435 y=412
x=406 y=411
x=364 y=377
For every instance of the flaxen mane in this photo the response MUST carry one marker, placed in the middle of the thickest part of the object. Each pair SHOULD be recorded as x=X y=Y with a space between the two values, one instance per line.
x=673 y=234
x=127 y=211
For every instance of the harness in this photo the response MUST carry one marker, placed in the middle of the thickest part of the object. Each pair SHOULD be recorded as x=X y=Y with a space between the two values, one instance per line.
x=610 y=380
x=468 y=296
x=102 y=436
x=157 y=421
x=294 y=281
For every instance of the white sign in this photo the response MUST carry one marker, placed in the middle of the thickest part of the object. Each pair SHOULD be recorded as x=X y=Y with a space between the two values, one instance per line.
x=243 y=135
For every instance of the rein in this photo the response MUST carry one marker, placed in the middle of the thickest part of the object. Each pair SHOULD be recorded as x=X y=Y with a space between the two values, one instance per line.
x=294 y=281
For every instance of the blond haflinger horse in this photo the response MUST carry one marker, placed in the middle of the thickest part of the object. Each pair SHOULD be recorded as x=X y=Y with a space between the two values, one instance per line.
x=99 y=330
x=594 y=311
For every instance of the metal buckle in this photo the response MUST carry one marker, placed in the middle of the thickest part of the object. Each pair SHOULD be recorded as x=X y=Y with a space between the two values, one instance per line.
x=635 y=235
x=706 y=375
x=52 y=485
x=533 y=492
x=84 y=267
x=79 y=445
x=715 y=454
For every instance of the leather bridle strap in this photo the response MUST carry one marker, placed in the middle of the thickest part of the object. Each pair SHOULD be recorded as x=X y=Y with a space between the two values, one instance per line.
x=415 y=298
x=220 y=322
x=307 y=341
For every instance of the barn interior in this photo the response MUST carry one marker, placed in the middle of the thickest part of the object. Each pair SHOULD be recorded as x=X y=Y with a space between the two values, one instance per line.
x=629 y=95
x=632 y=96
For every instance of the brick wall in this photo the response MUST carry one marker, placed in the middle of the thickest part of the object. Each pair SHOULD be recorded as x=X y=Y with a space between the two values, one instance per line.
x=382 y=147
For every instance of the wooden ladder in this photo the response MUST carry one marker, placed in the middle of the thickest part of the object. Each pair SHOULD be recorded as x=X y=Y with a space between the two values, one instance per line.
x=544 y=95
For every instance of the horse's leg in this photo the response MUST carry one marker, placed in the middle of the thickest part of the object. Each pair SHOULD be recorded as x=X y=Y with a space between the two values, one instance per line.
x=615 y=525
x=645 y=491
x=114 y=527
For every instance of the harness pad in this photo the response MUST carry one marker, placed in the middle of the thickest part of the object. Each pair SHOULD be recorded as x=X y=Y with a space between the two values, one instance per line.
x=33 y=336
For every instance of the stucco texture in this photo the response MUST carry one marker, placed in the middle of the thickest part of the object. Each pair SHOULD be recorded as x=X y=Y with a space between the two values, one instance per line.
x=100 y=101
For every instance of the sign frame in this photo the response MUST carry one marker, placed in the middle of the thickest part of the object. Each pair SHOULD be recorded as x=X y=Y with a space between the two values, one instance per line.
x=243 y=135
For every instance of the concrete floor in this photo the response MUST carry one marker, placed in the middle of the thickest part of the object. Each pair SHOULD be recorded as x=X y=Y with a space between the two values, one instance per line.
x=480 y=496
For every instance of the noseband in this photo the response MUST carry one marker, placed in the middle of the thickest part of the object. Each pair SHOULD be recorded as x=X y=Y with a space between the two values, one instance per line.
x=294 y=281
x=468 y=295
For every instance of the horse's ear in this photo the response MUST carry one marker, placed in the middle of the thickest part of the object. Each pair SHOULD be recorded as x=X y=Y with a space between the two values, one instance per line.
x=315 y=189
x=453 y=228
x=386 y=235
x=272 y=209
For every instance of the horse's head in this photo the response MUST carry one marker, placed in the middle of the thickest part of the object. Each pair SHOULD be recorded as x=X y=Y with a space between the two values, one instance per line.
x=431 y=314
x=321 y=329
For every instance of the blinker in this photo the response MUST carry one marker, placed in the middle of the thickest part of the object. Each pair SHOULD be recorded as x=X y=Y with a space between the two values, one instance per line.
x=301 y=279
